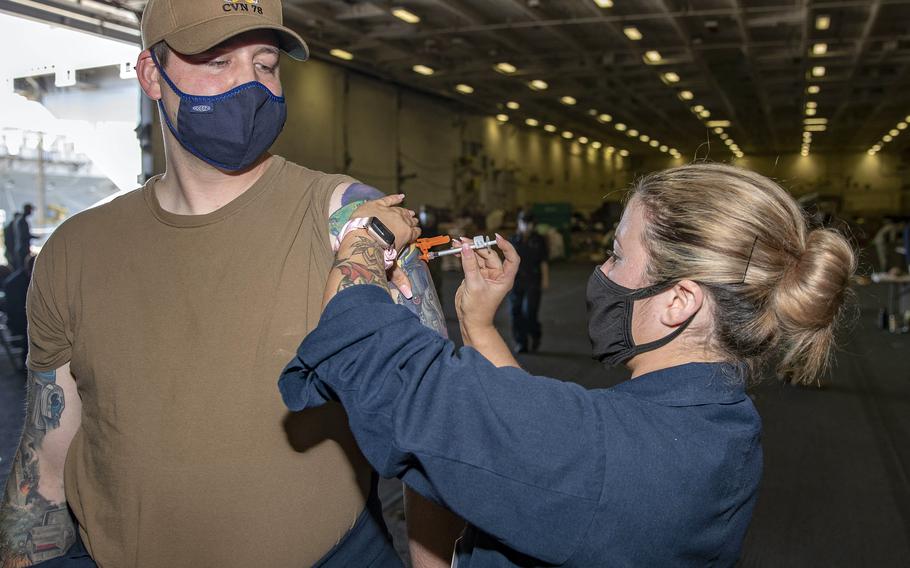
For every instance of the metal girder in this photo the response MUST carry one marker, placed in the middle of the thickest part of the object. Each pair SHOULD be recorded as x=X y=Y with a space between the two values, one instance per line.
x=74 y=16
x=755 y=75
x=584 y=53
x=872 y=17
x=646 y=16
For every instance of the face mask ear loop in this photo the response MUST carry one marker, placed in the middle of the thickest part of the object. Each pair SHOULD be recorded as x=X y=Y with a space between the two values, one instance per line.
x=167 y=79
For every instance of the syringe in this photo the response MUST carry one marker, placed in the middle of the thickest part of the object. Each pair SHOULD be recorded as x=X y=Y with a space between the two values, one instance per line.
x=480 y=242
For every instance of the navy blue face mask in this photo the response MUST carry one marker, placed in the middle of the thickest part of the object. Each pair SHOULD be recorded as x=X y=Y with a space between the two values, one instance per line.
x=228 y=131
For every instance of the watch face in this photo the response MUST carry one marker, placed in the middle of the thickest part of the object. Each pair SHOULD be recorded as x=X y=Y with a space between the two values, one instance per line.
x=384 y=233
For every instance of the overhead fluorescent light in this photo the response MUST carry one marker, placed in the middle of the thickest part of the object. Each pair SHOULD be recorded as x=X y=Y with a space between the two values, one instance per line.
x=633 y=133
x=644 y=138
x=654 y=143
x=341 y=54
x=820 y=49
x=664 y=148
x=811 y=104
x=505 y=68
x=652 y=56
x=538 y=85
x=592 y=112
x=567 y=100
x=609 y=150
x=624 y=153
x=816 y=127
x=822 y=22
x=423 y=70
x=718 y=130
x=894 y=132
x=502 y=117
x=632 y=33
x=686 y=95
x=567 y=135
x=596 y=145
x=871 y=152
x=697 y=108
x=512 y=105
x=582 y=139
x=605 y=118
x=813 y=89
x=810 y=112
x=877 y=147
x=815 y=121
x=705 y=113
x=729 y=142
x=670 y=77
x=620 y=126
x=724 y=136
x=718 y=124
x=549 y=128
x=464 y=89
x=902 y=126
x=604 y=3
x=532 y=122
x=818 y=71
x=887 y=138
x=405 y=15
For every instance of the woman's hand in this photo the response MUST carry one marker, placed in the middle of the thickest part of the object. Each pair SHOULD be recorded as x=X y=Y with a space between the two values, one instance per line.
x=487 y=280
x=402 y=222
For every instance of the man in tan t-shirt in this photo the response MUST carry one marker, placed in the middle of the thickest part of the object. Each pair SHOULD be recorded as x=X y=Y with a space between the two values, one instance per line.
x=158 y=325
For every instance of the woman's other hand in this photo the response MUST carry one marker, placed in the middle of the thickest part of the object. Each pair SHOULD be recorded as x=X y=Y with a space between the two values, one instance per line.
x=402 y=222
x=487 y=280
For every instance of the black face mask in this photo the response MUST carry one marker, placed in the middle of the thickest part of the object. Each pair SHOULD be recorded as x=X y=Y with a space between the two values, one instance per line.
x=610 y=319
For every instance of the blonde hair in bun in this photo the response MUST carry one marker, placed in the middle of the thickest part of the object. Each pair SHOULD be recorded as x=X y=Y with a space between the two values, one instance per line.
x=778 y=289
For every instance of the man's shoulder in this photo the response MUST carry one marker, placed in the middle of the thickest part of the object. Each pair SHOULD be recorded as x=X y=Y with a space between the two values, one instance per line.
x=296 y=172
x=101 y=217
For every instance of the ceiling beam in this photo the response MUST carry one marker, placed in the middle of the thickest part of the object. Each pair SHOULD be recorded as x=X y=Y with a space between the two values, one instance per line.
x=761 y=91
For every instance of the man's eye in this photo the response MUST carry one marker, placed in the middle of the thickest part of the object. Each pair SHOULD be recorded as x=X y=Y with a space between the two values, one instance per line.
x=266 y=68
x=217 y=63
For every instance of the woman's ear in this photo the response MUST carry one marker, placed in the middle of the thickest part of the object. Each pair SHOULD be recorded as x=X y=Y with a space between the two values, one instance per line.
x=148 y=75
x=686 y=298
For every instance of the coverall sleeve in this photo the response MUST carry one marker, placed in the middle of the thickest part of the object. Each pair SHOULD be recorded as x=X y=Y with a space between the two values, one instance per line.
x=519 y=457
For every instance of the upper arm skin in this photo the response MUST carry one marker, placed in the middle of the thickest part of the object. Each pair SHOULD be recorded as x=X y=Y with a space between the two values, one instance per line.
x=35 y=485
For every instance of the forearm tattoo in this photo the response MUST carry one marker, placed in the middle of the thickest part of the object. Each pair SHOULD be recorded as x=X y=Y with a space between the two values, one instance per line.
x=362 y=263
x=424 y=302
x=33 y=529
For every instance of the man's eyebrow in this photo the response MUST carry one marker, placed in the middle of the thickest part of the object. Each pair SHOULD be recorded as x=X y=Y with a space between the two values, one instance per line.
x=269 y=49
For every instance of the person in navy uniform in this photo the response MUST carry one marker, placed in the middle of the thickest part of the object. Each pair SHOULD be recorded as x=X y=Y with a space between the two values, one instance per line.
x=532 y=280
x=714 y=273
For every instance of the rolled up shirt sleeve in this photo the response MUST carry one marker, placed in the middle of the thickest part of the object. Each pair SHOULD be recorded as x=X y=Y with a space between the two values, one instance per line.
x=519 y=457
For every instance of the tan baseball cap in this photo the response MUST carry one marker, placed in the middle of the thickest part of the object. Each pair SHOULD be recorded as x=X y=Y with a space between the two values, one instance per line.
x=193 y=26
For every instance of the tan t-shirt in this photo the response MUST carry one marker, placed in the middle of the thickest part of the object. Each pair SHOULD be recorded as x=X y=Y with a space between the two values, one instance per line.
x=177 y=328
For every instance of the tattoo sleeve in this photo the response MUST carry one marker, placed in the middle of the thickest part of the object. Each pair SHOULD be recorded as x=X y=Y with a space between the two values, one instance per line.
x=32 y=527
x=424 y=302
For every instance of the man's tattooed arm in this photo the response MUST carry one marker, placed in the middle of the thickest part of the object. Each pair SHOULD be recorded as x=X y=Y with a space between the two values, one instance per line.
x=35 y=524
x=423 y=300
x=360 y=260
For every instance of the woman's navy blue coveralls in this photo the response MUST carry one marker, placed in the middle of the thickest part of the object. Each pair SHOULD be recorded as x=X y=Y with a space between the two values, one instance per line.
x=661 y=470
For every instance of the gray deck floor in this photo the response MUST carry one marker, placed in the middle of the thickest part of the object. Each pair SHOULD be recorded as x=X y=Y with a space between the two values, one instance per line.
x=835 y=491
